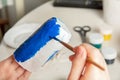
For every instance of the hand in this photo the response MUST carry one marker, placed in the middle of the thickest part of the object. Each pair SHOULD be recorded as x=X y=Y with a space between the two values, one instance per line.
x=11 y=70
x=82 y=70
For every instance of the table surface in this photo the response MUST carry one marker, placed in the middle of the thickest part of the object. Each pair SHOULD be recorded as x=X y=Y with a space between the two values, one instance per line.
x=71 y=17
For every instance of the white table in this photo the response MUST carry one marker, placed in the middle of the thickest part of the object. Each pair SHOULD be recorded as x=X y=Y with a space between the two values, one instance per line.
x=59 y=70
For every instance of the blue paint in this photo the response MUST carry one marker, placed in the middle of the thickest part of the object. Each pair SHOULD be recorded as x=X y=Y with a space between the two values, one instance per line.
x=39 y=39
x=56 y=39
x=51 y=57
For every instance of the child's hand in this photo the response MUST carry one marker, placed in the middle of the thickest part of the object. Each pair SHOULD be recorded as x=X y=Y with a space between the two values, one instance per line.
x=11 y=70
x=82 y=70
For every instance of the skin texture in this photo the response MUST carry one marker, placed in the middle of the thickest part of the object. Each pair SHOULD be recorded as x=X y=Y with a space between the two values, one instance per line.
x=82 y=70
x=11 y=70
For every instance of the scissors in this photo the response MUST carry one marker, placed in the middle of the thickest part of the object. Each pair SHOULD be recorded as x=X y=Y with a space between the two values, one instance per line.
x=82 y=31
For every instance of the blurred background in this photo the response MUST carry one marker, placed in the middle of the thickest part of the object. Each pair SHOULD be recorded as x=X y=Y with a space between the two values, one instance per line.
x=13 y=10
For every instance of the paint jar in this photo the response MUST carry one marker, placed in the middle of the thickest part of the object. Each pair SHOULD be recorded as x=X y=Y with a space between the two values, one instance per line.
x=109 y=54
x=107 y=33
x=96 y=40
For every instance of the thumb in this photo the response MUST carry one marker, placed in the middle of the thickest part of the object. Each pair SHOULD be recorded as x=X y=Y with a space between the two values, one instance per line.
x=78 y=63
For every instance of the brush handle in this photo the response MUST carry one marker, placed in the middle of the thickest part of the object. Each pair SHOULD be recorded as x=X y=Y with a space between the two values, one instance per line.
x=88 y=59
x=67 y=45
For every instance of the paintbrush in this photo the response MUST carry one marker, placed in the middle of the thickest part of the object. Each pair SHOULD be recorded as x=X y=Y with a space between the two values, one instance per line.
x=88 y=59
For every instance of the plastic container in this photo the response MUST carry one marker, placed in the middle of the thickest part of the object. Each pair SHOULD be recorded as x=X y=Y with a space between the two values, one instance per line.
x=107 y=33
x=109 y=54
x=96 y=40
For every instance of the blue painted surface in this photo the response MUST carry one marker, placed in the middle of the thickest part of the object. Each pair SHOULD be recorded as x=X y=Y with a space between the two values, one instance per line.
x=51 y=57
x=39 y=39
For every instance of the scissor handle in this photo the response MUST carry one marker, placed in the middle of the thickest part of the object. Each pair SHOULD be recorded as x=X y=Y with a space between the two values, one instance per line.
x=86 y=28
x=77 y=28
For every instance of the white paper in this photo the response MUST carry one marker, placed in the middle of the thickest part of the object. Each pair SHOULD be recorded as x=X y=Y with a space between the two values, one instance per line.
x=48 y=50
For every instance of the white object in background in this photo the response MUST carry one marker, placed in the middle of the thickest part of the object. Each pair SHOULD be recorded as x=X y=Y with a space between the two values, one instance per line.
x=95 y=39
x=1 y=6
x=17 y=35
x=111 y=12
x=10 y=2
x=19 y=8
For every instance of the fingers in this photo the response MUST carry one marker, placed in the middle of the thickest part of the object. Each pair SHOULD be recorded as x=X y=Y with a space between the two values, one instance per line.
x=25 y=75
x=94 y=54
x=97 y=57
x=19 y=71
x=78 y=63
x=9 y=60
x=71 y=57
x=93 y=73
x=15 y=65
x=11 y=70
